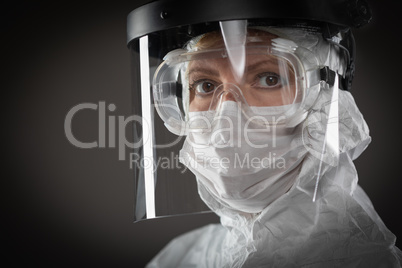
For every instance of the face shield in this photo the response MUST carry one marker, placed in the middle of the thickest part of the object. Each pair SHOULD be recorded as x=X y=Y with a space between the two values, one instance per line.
x=220 y=106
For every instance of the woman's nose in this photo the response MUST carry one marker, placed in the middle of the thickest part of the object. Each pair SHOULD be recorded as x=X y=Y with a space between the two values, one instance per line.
x=228 y=92
x=228 y=96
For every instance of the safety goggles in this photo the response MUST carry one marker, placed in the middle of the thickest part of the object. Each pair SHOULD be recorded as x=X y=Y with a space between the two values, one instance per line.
x=263 y=72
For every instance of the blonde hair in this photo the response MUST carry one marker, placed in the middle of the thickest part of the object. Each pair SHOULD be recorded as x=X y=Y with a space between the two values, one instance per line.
x=215 y=40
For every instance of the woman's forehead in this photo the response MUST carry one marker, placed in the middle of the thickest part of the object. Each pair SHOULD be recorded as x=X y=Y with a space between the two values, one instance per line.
x=214 y=39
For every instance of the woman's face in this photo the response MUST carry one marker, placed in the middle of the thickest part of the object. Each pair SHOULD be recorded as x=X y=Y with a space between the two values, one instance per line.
x=267 y=80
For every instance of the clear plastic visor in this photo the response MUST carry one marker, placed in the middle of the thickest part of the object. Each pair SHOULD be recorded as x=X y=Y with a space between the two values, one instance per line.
x=196 y=84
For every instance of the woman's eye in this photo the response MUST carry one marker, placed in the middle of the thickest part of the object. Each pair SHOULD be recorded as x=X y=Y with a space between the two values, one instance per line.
x=204 y=87
x=269 y=80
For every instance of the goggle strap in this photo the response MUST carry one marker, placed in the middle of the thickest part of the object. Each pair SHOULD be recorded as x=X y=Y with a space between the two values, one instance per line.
x=328 y=76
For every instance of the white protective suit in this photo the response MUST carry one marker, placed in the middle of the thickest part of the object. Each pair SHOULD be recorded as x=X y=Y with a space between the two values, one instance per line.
x=340 y=229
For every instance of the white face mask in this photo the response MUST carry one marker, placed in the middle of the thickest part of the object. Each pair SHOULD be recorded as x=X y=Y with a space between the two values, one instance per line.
x=244 y=167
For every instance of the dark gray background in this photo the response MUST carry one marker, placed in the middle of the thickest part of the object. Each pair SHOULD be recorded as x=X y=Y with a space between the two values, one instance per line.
x=64 y=206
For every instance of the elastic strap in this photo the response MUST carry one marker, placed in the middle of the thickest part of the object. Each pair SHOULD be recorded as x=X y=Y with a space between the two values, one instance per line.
x=327 y=75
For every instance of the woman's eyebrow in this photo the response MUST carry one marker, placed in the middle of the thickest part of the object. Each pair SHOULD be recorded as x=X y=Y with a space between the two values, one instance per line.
x=207 y=71
x=271 y=63
x=259 y=64
x=213 y=72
